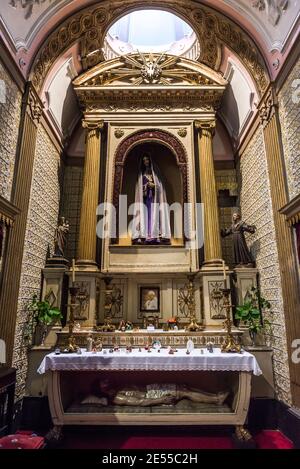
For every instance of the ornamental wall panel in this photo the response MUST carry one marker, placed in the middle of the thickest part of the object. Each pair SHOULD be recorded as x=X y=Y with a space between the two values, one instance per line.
x=72 y=193
x=41 y=224
x=289 y=114
x=10 y=113
x=256 y=208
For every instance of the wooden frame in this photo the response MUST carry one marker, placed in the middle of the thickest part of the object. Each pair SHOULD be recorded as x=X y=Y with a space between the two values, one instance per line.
x=152 y=305
x=237 y=417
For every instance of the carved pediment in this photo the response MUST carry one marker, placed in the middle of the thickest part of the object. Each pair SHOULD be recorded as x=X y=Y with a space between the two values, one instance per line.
x=149 y=77
x=149 y=69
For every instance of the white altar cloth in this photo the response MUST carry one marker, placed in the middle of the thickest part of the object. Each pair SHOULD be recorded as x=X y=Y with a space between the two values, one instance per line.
x=155 y=361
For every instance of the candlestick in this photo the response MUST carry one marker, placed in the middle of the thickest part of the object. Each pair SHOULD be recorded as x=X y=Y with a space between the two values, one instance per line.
x=224 y=274
x=190 y=259
x=73 y=270
x=229 y=345
x=224 y=270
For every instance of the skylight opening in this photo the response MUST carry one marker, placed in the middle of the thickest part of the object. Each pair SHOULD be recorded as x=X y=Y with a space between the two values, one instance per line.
x=149 y=31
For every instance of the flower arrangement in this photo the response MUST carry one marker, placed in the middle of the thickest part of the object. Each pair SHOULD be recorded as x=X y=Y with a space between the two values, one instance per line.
x=42 y=314
x=250 y=313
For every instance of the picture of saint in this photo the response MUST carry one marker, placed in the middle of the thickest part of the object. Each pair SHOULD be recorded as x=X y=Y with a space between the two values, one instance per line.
x=149 y=299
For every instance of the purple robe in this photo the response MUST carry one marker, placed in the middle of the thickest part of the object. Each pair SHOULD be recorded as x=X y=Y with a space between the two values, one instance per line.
x=151 y=212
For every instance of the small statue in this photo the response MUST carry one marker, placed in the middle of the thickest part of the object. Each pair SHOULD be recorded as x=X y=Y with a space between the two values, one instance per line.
x=107 y=326
x=97 y=345
x=122 y=326
x=193 y=326
x=72 y=347
x=128 y=326
x=60 y=237
x=242 y=255
x=89 y=346
x=210 y=347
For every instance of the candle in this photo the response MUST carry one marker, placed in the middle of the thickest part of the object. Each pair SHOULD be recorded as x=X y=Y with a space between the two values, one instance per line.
x=191 y=260
x=73 y=270
x=224 y=274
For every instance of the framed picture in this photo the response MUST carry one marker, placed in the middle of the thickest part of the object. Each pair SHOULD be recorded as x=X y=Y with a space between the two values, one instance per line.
x=150 y=299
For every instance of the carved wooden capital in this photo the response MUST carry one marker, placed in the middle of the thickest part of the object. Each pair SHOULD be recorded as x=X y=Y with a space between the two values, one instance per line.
x=93 y=128
x=8 y=212
x=206 y=128
x=268 y=107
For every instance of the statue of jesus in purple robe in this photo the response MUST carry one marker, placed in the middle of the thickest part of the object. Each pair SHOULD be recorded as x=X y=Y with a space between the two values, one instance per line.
x=151 y=213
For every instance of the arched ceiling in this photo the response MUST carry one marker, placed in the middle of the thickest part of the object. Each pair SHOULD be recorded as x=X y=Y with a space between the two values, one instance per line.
x=246 y=41
x=273 y=24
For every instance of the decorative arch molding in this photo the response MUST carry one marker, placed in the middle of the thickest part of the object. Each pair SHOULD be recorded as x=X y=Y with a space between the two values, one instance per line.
x=150 y=135
x=90 y=25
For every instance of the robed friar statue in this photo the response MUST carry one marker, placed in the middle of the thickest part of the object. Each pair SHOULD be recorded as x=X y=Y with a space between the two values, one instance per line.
x=242 y=255
x=151 y=223
x=60 y=237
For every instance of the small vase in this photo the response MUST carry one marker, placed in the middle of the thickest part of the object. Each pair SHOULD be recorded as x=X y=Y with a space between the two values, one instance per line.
x=44 y=335
x=252 y=335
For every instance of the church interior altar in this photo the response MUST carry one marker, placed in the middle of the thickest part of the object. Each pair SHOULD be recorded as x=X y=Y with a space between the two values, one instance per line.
x=150 y=216
x=149 y=267
x=195 y=388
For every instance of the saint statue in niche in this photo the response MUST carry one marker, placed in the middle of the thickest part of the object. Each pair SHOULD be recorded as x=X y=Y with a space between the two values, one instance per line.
x=242 y=255
x=151 y=214
x=60 y=237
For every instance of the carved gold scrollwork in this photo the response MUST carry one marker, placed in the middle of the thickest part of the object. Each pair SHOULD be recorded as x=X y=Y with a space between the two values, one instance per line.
x=267 y=108
x=90 y=25
x=35 y=106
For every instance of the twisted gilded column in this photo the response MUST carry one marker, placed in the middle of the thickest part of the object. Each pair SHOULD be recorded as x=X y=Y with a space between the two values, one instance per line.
x=212 y=239
x=284 y=236
x=30 y=117
x=90 y=195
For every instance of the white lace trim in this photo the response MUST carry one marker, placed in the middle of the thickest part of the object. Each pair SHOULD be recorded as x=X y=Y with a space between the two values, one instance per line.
x=138 y=361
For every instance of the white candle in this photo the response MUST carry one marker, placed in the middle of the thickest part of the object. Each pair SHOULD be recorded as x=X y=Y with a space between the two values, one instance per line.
x=73 y=270
x=224 y=274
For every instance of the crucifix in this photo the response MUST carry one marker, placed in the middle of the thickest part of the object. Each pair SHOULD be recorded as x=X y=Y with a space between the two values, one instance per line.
x=73 y=306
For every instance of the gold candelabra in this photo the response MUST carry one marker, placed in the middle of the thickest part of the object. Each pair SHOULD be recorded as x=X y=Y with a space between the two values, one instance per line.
x=191 y=305
x=229 y=345
x=108 y=297
x=72 y=347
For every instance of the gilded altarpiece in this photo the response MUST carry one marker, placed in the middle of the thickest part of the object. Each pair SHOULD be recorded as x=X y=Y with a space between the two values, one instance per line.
x=150 y=102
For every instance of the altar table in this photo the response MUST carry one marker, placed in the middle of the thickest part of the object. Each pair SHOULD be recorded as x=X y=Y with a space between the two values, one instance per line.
x=197 y=360
x=71 y=374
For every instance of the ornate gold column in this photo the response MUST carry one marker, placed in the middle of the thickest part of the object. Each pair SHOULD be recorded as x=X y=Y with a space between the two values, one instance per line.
x=212 y=237
x=285 y=244
x=90 y=195
x=30 y=117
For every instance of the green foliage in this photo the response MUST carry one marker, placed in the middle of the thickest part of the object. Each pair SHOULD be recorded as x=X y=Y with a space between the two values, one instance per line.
x=43 y=313
x=250 y=312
